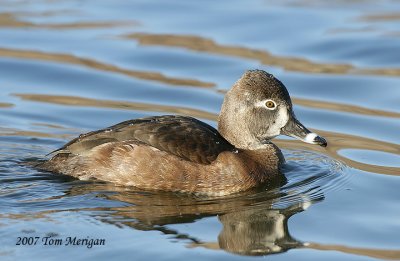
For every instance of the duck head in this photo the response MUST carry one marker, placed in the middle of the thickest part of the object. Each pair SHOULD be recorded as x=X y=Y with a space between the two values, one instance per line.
x=258 y=108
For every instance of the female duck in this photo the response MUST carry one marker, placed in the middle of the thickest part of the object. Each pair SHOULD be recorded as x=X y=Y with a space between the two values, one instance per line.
x=177 y=153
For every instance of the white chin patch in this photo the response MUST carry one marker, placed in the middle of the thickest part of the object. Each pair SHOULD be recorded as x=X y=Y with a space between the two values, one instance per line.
x=310 y=138
x=282 y=118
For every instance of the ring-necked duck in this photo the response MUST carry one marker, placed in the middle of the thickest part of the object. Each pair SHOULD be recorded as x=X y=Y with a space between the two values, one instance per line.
x=183 y=154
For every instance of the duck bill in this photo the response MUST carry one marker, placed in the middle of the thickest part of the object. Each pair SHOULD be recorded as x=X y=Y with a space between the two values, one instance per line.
x=297 y=130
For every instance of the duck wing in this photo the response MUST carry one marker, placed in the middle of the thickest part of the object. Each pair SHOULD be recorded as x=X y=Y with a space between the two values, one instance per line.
x=182 y=136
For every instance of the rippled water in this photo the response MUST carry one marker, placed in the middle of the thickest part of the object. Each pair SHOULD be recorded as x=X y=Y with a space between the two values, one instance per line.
x=68 y=67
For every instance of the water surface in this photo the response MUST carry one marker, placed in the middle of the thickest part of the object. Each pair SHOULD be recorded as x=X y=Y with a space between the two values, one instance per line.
x=68 y=67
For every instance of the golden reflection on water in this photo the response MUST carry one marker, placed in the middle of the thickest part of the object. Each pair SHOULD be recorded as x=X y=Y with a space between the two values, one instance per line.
x=336 y=141
x=362 y=29
x=200 y=44
x=372 y=24
x=37 y=134
x=93 y=64
x=6 y=105
x=381 y=17
x=10 y=20
x=386 y=254
x=195 y=43
x=342 y=107
x=88 y=102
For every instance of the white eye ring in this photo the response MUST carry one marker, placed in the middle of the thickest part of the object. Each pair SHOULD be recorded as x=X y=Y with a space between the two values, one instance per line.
x=270 y=104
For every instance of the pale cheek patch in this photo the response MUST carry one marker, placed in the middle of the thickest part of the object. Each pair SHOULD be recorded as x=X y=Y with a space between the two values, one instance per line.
x=282 y=117
x=310 y=137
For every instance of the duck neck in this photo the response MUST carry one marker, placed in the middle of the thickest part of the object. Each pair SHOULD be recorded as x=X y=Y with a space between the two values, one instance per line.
x=234 y=131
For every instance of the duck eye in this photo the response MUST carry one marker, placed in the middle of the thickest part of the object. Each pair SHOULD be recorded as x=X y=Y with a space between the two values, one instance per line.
x=270 y=104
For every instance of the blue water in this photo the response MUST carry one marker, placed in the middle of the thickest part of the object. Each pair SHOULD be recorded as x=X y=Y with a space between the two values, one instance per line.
x=68 y=67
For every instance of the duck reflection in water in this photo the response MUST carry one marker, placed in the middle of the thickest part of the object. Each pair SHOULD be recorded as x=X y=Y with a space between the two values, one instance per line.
x=251 y=223
x=258 y=231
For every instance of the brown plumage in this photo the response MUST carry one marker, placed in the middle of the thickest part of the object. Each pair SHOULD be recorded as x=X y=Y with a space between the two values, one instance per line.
x=185 y=137
x=183 y=154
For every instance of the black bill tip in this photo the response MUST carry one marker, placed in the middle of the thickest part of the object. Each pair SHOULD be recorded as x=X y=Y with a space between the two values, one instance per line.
x=314 y=138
